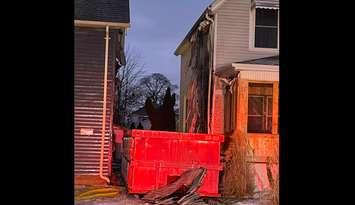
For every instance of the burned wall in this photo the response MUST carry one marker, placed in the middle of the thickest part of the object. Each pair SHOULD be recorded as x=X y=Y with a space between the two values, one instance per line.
x=199 y=63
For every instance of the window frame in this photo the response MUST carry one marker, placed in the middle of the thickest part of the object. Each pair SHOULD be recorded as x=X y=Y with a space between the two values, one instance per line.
x=252 y=32
x=265 y=114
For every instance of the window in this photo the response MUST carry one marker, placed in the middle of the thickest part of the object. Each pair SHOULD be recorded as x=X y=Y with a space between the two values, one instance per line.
x=260 y=108
x=266 y=28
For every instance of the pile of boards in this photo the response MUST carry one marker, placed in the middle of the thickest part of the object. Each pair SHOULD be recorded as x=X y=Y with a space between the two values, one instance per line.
x=182 y=191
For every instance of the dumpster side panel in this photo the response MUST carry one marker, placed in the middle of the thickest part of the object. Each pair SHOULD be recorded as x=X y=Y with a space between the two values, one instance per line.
x=145 y=176
x=173 y=147
x=156 y=158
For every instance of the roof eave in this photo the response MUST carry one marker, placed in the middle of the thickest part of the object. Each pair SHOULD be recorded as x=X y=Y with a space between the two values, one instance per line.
x=231 y=70
x=255 y=67
x=217 y=4
x=100 y=24
x=179 y=49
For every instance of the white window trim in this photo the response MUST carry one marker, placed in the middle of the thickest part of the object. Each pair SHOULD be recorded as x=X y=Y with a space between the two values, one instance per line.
x=252 y=33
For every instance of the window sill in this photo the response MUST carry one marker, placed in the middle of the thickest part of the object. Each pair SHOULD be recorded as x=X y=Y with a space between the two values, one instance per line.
x=271 y=50
x=270 y=135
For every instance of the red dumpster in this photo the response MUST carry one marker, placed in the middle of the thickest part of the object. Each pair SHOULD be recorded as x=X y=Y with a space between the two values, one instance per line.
x=152 y=159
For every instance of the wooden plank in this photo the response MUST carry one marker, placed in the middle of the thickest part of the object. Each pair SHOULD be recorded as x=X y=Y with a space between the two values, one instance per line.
x=275 y=108
x=242 y=106
x=264 y=145
x=89 y=180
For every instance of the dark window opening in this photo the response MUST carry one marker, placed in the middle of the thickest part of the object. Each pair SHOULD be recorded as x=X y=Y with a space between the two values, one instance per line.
x=266 y=28
x=260 y=108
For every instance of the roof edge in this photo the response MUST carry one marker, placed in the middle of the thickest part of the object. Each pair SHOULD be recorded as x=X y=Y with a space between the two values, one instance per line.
x=212 y=7
x=255 y=67
x=216 y=4
x=189 y=34
x=100 y=24
x=274 y=58
x=232 y=70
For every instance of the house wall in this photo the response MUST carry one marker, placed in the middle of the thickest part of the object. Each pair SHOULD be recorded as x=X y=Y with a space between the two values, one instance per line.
x=88 y=92
x=233 y=35
x=232 y=26
x=217 y=115
x=264 y=145
x=185 y=83
x=233 y=31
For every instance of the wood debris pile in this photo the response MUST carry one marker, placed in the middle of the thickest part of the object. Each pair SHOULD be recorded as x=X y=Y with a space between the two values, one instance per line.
x=182 y=191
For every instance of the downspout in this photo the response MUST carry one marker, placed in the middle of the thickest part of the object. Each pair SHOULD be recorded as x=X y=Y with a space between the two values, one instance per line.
x=104 y=110
x=210 y=76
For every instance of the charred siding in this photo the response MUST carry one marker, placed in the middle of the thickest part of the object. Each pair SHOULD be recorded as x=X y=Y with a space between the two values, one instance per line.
x=196 y=90
x=88 y=100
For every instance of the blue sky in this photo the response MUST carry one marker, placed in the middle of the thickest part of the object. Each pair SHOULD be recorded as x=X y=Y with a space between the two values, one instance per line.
x=157 y=27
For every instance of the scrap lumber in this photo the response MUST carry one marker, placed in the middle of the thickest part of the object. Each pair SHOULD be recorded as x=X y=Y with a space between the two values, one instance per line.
x=182 y=191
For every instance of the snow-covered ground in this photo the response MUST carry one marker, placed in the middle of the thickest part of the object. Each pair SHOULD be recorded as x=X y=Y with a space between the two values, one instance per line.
x=122 y=198
x=125 y=199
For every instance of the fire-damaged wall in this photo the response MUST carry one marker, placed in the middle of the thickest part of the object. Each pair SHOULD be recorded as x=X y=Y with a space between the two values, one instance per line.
x=89 y=91
x=223 y=106
x=199 y=62
x=197 y=97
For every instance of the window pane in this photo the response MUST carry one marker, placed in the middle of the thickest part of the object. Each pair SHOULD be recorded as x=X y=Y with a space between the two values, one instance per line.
x=260 y=107
x=269 y=105
x=260 y=89
x=265 y=37
x=269 y=124
x=255 y=105
x=255 y=124
x=266 y=17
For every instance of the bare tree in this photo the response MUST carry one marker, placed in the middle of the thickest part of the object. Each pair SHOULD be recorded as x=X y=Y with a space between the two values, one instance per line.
x=154 y=87
x=128 y=85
